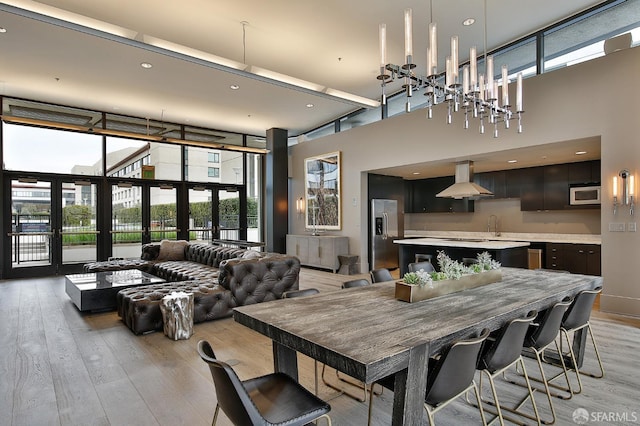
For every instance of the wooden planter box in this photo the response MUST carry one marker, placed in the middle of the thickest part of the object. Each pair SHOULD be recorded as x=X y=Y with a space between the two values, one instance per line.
x=415 y=293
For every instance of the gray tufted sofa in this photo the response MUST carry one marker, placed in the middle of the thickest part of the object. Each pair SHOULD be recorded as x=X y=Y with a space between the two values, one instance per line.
x=198 y=261
x=240 y=282
x=220 y=279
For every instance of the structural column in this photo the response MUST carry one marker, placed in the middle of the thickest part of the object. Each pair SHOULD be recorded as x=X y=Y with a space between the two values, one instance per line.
x=277 y=191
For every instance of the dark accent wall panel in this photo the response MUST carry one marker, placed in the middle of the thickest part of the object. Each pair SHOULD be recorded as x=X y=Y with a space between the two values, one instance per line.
x=277 y=191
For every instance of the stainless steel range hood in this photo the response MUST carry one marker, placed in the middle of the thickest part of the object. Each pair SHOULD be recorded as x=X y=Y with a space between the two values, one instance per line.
x=464 y=187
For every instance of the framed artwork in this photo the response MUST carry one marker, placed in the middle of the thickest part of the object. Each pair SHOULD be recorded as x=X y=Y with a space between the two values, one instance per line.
x=323 y=208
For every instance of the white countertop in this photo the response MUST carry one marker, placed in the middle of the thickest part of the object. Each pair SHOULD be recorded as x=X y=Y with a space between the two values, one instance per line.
x=445 y=242
x=510 y=236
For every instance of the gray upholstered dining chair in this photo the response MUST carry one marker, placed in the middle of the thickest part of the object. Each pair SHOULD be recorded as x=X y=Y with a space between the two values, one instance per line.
x=304 y=293
x=273 y=399
x=468 y=261
x=300 y=293
x=426 y=266
x=360 y=282
x=380 y=275
x=577 y=319
x=502 y=351
x=450 y=375
x=540 y=336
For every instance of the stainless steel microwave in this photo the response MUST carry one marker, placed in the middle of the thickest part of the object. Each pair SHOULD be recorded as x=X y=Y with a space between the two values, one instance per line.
x=580 y=195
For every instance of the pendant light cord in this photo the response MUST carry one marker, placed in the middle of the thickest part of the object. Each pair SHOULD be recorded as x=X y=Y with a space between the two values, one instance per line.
x=244 y=41
x=431 y=11
x=485 y=35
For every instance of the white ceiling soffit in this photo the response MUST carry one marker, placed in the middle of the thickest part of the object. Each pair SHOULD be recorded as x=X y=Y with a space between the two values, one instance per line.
x=585 y=149
x=88 y=54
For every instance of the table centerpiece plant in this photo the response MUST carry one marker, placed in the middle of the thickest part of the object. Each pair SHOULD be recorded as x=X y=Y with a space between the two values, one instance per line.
x=453 y=276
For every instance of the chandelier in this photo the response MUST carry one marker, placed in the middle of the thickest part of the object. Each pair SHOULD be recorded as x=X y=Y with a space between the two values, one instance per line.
x=478 y=95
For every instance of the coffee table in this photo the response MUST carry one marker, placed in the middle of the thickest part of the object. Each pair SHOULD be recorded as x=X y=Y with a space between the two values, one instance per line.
x=97 y=290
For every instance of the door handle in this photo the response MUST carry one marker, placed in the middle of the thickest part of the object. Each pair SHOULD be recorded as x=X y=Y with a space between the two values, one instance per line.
x=385 y=225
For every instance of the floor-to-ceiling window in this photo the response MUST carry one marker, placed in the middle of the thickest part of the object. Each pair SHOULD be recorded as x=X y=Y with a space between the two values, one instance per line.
x=82 y=185
x=50 y=180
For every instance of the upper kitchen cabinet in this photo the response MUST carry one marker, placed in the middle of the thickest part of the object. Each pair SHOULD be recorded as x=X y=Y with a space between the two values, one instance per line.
x=495 y=182
x=556 y=187
x=422 y=196
x=539 y=188
x=585 y=172
x=531 y=188
x=544 y=188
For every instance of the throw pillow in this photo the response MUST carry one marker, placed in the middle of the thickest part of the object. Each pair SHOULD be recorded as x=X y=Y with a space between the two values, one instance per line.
x=172 y=250
x=251 y=254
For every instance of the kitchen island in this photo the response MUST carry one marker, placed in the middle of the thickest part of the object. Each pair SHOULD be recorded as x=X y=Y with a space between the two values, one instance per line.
x=508 y=253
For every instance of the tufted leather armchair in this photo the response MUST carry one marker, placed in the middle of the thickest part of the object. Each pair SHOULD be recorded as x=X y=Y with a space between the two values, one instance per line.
x=259 y=280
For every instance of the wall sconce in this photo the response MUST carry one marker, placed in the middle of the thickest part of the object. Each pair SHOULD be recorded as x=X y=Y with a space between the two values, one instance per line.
x=628 y=191
x=300 y=206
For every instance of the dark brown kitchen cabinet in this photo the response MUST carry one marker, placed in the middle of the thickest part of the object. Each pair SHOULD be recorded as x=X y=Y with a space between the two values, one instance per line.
x=493 y=181
x=556 y=189
x=544 y=188
x=531 y=189
x=554 y=254
x=423 y=197
x=574 y=258
x=583 y=258
x=585 y=172
x=513 y=183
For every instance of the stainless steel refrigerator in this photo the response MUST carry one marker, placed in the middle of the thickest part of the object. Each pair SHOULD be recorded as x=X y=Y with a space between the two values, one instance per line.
x=385 y=227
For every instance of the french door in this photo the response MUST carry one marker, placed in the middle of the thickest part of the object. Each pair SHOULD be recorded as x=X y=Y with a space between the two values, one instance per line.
x=53 y=225
x=141 y=213
x=228 y=214
x=214 y=213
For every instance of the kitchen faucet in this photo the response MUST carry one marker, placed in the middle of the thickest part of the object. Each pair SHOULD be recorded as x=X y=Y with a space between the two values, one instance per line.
x=495 y=225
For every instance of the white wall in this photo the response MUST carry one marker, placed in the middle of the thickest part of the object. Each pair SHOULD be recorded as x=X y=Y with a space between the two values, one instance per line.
x=596 y=98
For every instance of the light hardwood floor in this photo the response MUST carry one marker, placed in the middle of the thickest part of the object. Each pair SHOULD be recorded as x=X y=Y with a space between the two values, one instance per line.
x=61 y=367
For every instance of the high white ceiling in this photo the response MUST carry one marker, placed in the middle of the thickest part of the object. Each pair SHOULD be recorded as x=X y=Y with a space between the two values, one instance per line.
x=333 y=43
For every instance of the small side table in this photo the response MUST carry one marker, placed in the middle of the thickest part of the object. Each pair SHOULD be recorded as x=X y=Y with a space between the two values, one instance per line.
x=348 y=264
x=177 y=315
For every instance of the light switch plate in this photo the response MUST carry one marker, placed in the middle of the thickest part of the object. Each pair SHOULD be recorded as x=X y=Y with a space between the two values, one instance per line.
x=631 y=227
x=616 y=227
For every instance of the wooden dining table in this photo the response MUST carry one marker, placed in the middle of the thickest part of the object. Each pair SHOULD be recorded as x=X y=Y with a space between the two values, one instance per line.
x=368 y=334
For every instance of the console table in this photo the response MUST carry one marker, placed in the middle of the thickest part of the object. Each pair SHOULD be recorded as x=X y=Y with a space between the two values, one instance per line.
x=320 y=251
x=97 y=290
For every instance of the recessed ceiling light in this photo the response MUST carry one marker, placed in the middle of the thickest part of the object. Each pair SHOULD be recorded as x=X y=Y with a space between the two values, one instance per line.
x=512 y=161
x=3 y=30
x=234 y=87
x=416 y=173
x=309 y=105
x=468 y=21
x=146 y=65
x=581 y=152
